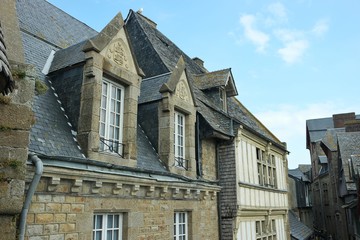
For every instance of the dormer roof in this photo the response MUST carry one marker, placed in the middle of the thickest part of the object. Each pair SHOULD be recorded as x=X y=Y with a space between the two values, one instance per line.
x=75 y=54
x=221 y=78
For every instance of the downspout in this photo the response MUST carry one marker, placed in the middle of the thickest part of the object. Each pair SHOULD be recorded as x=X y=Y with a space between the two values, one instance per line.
x=219 y=194
x=38 y=172
x=198 y=148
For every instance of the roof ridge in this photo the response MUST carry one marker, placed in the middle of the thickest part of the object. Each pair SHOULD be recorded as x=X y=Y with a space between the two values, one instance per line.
x=156 y=76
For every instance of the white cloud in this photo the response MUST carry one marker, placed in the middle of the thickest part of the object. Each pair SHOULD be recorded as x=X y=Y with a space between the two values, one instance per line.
x=320 y=28
x=257 y=37
x=295 y=44
x=278 y=10
x=288 y=123
x=293 y=51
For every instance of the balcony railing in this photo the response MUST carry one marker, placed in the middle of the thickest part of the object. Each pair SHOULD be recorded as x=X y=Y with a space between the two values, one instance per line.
x=181 y=162
x=113 y=146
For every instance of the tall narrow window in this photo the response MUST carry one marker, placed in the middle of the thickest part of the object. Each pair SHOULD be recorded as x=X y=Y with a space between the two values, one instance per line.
x=107 y=226
x=111 y=117
x=266 y=169
x=179 y=140
x=180 y=226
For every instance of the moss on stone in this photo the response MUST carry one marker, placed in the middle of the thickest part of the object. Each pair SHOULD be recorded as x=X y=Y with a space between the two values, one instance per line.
x=40 y=87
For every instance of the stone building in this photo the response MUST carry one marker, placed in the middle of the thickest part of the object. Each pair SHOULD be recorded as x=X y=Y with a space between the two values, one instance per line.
x=251 y=161
x=300 y=202
x=333 y=142
x=132 y=139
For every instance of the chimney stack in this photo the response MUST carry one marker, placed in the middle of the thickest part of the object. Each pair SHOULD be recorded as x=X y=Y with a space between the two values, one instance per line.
x=198 y=61
x=339 y=119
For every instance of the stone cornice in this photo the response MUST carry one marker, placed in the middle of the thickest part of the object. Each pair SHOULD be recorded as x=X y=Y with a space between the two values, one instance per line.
x=61 y=180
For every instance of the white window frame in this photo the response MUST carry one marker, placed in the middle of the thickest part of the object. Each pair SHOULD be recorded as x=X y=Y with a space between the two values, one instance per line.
x=266 y=229
x=181 y=231
x=111 y=117
x=266 y=168
x=102 y=230
x=179 y=139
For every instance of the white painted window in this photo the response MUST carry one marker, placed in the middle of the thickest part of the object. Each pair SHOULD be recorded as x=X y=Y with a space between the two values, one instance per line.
x=111 y=117
x=180 y=226
x=266 y=169
x=265 y=230
x=107 y=226
x=179 y=140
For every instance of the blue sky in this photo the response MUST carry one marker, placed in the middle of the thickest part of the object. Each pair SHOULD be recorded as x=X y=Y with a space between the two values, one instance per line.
x=291 y=60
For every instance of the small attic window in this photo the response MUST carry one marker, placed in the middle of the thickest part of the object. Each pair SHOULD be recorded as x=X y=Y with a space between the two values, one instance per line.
x=222 y=95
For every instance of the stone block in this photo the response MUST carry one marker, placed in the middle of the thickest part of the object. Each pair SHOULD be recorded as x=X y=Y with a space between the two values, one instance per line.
x=14 y=116
x=59 y=217
x=44 y=218
x=57 y=237
x=72 y=236
x=34 y=230
x=53 y=207
x=67 y=227
x=51 y=228
x=14 y=138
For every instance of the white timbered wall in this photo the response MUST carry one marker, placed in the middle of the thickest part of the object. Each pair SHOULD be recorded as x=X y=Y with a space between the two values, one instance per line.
x=247 y=229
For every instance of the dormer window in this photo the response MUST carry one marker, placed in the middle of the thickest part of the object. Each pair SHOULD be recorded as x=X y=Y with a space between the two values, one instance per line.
x=179 y=140
x=222 y=94
x=111 y=117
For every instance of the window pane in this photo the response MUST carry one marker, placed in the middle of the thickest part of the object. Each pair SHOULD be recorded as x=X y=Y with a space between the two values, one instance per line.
x=109 y=235
x=110 y=221
x=97 y=236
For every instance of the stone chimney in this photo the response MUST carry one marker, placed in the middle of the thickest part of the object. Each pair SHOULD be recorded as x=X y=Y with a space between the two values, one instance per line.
x=352 y=125
x=198 y=61
x=339 y=119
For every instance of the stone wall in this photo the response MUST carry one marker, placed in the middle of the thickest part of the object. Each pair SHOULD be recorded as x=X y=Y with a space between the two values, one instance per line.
x=63 y=208
x=208 y=159
x=16 y=119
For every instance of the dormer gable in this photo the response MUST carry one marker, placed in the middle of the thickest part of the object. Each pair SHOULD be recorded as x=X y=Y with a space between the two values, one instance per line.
x=218 y=85
x=109 y=97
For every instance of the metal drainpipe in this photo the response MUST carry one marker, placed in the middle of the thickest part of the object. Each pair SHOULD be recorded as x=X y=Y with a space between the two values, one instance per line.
x=219 y=194
x=38 y=172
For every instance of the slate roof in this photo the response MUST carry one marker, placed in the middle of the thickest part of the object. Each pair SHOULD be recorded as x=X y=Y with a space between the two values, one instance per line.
x=298 y=230
x=349 y=145
x=330 y=138
x=296 y=173
x=318 y=127
x=37 y=15
x=147 y=156
x=150 y=88
x=220 y=78
x=45 y=28
x=212 y=79
x=68 y=57
x=159 y=55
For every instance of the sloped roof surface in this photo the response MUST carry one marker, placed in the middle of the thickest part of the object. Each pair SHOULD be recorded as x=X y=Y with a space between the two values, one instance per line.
x=318 y=127
x=160 y=52
x=298 y=230
x=212 y=79
x=147 y=157
x=68 y=56
x=349 y=145
x=37 y=15
x=330 y=138
x=150 y=88
x=154 y=47
x=296 y=173
x=44 y=28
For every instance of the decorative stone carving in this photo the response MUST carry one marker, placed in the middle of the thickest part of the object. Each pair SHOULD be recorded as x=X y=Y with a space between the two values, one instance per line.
x=182 y=91
x=116 y=52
